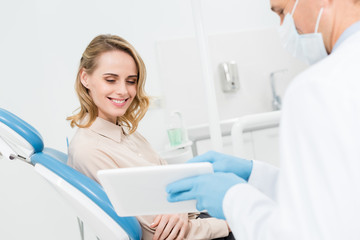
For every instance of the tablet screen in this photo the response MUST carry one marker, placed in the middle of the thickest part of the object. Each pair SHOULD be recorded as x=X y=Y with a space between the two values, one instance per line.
x=141 y=190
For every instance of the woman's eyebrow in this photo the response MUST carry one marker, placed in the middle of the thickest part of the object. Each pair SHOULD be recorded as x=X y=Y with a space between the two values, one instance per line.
x=132 y=76
x=111 y=74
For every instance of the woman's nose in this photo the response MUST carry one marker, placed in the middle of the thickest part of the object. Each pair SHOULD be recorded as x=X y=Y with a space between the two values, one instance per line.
x=121 y=88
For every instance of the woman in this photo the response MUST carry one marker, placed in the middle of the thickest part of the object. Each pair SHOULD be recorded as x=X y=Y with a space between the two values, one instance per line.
x=110 y=86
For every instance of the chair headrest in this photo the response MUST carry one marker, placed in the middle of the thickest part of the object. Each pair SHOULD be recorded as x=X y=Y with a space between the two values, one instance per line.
x=25 y=130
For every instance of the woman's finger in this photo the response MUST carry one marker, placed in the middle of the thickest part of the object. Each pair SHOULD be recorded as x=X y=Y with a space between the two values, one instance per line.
x=156 y=221
x=182 y=232
x=172 y=223
x=161 y=226
x=174 y=232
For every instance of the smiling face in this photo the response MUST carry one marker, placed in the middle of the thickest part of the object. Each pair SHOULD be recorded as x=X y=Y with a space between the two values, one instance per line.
x=112 y=85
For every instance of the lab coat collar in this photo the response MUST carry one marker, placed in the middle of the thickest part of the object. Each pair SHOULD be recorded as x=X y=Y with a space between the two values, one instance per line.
x=346 y=34
x=108 y=129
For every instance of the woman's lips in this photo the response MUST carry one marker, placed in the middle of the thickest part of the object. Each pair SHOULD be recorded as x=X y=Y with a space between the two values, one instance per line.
x=118 y=102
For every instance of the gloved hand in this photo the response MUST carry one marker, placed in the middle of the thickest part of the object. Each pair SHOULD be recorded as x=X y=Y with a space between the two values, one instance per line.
x=226 y=163
x=209 y=190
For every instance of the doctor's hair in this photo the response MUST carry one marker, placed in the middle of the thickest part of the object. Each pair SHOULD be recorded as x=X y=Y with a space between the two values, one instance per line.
x=88 y=63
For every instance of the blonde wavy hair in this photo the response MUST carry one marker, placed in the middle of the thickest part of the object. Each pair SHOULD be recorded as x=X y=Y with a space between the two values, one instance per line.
x=88 y=63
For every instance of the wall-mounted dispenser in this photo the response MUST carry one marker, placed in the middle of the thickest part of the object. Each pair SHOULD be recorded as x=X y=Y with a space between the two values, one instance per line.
x=274 y=76
x=229 y=76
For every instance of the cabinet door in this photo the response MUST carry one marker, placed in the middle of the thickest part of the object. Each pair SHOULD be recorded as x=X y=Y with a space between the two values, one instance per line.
x=266 y=145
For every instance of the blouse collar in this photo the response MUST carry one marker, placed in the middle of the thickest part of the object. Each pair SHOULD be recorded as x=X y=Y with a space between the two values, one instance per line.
x=108 y=129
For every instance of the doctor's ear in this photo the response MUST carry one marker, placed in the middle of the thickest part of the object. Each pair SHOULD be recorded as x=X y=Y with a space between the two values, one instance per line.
x=84 y=78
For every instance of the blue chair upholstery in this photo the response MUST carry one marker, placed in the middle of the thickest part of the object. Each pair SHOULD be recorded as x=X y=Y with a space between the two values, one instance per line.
x=60 y=156
x=55 y=161
x=28 y=132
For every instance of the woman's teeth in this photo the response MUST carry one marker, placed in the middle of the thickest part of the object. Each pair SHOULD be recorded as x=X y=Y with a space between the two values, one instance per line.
x=118 y=101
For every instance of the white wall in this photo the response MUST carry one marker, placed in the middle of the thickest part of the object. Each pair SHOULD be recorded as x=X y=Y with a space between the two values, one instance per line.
x=257 y=53
x=41 y=43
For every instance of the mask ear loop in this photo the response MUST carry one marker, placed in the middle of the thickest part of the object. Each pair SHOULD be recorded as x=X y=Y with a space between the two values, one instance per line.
x=295 y=5
x=318 y=20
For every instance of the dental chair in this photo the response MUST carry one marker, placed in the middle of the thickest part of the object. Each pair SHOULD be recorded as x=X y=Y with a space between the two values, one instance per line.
x=20 y=141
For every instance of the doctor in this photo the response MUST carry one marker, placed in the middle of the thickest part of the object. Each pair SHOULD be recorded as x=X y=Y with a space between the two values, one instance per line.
x=316 y=195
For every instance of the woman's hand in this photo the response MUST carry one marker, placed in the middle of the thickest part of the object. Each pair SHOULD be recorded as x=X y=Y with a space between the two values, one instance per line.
x=172 y=226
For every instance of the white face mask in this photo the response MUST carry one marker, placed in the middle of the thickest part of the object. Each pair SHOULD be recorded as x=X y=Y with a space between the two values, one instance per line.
x=308 y=47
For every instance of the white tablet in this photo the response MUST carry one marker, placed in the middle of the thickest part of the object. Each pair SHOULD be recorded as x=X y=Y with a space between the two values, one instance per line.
x=141 y=190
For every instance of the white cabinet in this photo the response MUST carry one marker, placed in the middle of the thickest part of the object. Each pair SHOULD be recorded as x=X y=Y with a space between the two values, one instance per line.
x=262 y=145
x=254 y=136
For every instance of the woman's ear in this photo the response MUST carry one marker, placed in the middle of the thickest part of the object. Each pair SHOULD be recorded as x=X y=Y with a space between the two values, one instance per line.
x=84 y=78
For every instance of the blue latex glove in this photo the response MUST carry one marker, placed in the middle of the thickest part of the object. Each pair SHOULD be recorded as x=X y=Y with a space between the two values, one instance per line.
x=226 y=163
x=209 y=190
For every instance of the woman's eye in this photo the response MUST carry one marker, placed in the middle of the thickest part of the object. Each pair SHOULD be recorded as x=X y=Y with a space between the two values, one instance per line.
x=131 y=81
x=110 y=80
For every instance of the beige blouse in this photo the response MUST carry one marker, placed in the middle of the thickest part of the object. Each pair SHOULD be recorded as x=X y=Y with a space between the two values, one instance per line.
x=105 y=145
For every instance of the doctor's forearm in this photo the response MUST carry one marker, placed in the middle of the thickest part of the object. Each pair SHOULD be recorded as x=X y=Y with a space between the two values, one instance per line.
x=264 y=177
x=250 y=214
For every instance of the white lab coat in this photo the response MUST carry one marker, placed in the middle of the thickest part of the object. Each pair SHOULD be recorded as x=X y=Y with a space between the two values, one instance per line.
x=318 y=190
